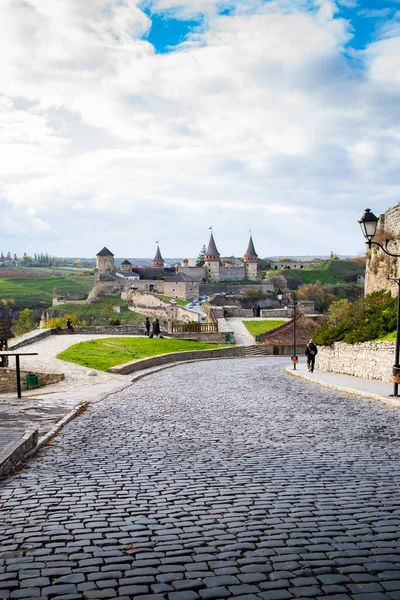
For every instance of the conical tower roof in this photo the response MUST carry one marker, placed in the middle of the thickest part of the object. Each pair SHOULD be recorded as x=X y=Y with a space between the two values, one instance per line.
x=212 y=248
x=250 y=252
x=105 y=252
x=158 y=259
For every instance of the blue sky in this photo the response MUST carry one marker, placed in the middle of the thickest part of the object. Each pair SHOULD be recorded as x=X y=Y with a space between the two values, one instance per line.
x=366 y=19
x=127 y=121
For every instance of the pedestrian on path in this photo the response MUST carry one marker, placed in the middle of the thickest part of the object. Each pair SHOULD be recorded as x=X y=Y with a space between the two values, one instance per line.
x=311 y=353
x=147 y=325
x=69 y=326
x=156 y=328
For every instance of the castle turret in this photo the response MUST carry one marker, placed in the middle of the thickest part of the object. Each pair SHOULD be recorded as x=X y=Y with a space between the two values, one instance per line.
x=212 y=260
x=250 y=262
x=104 y=265
x=158 y=260
x=126 y=266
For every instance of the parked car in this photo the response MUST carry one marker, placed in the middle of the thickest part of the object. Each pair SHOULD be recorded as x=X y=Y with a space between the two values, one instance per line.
x=172 y=301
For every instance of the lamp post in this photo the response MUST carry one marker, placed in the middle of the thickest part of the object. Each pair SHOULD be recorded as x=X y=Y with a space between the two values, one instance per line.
x=368 y=224
x=279 y=295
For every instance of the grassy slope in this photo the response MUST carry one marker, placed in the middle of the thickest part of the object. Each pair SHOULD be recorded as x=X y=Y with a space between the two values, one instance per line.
x=258 y=327
x=177 y=300
x=107 y=352
x=28 y=292
x=99 y=311
x=330 y=271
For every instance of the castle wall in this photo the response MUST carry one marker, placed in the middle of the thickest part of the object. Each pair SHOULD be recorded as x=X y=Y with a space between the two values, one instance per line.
x=195 y=272
x=149 y=304
x=212 y=270
x=380 y=265
x=181 y=289
x=232 y=273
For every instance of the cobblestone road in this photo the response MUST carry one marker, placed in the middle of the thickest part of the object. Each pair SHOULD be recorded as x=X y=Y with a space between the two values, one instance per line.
x=210 y=480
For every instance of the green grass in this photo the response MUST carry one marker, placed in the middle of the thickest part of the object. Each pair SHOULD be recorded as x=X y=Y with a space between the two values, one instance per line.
x=105 y=353
x=328 y=272
x=177 y=300
x=389 y=337
x=38 y=291
x=99 y=312
x=259 y=327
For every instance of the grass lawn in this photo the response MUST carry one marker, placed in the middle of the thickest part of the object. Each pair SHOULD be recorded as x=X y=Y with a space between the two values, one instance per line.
x=177 y=300
x=259 y=327
x=108 y=352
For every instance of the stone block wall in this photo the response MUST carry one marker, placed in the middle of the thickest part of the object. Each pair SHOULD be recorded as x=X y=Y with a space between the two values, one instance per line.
x=369 y=360
x=232 y=273
x=30 y=338
x=8 y=379
x=379 y=265
x=149 y=304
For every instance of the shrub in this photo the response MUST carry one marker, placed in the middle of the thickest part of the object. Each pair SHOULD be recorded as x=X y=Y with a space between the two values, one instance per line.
x=367 y=319
x=62 y=321
x=115 y=322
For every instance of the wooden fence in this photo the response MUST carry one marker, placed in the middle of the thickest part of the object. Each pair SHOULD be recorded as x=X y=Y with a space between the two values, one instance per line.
x=194 y=328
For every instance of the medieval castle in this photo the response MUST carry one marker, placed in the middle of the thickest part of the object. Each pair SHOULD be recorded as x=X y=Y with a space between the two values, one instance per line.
x=214 y=269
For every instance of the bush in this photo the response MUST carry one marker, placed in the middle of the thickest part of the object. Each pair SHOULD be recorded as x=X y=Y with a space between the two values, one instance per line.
x=62 y=322
x=369 y=318
x=25 y=322
x=115 y=322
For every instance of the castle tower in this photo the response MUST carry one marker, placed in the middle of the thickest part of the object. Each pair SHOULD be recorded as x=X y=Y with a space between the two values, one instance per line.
x=250 y=262
x=126 y=266
x=158 y=260
x=104 y=265
x=211 y=260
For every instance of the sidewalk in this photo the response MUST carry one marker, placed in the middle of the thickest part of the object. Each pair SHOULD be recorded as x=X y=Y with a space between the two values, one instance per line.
x=368 y=388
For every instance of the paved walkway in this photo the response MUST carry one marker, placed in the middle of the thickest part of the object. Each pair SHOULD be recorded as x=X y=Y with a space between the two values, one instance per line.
x=44 y=407
x=207 y=481
x=363 y=387
x=242 y=335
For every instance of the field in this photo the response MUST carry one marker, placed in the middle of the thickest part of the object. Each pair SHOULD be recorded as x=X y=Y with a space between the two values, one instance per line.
x=108 y=352
x=29 y=292
x=259 y=327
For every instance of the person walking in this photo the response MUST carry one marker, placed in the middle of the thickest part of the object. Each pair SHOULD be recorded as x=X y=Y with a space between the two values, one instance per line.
x=311 y=353
x=156 y=327
x=147 y=325
x=69 y=326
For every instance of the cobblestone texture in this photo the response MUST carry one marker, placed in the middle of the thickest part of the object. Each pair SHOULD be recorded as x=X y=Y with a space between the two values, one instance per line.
x=212 y=480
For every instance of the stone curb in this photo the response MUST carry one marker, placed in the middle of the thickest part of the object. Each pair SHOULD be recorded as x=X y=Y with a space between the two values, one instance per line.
x=18 y=452
x=58 y=426
x=339 y=388
x=177 y=357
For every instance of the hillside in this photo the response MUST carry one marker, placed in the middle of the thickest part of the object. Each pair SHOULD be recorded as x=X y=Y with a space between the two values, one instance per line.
x=328 y=272
x=33 y=292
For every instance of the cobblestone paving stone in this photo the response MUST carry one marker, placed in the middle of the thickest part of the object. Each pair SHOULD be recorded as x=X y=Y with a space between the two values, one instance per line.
x=223 y=479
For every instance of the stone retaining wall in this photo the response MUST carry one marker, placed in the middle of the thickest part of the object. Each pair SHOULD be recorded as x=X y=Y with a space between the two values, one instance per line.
x=8 y=379
x=40 y=334
x=211 y=338
x=370 y=360
x=164 y=359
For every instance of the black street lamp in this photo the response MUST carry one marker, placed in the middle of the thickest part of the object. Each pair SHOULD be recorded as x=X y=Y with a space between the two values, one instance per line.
x=368 y=224
x=279 y=295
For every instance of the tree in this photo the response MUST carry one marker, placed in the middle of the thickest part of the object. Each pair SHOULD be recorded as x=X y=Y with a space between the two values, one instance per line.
x=200 y=258
x=78 y=263
x=25 y=322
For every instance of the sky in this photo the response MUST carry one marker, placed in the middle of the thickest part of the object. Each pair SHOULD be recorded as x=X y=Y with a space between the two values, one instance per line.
x=126 y=122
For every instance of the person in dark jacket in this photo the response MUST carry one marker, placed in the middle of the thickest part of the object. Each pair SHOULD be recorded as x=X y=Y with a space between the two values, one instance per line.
x=311 y=353
x=156 y=327
x=69 y=326
x=147 y=325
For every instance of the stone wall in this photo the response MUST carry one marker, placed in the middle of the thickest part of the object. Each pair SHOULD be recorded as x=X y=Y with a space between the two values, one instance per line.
x=182 y=289
x=232 y=273
x=276 y=313
x=31 y=338
x=149 y=304
x=164 y=359
x=370 y=360
x=380 y=265
x=199 y=273
x=212 y=337
x=8 y=379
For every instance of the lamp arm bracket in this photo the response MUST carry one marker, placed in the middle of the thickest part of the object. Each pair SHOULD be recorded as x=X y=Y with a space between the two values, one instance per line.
x=384 y=248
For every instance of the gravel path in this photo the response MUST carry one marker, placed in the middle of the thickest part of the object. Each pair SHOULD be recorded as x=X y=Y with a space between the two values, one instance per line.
x=210 y=480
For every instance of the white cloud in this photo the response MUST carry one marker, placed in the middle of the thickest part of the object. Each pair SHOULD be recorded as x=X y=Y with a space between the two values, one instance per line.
x=258 y=122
